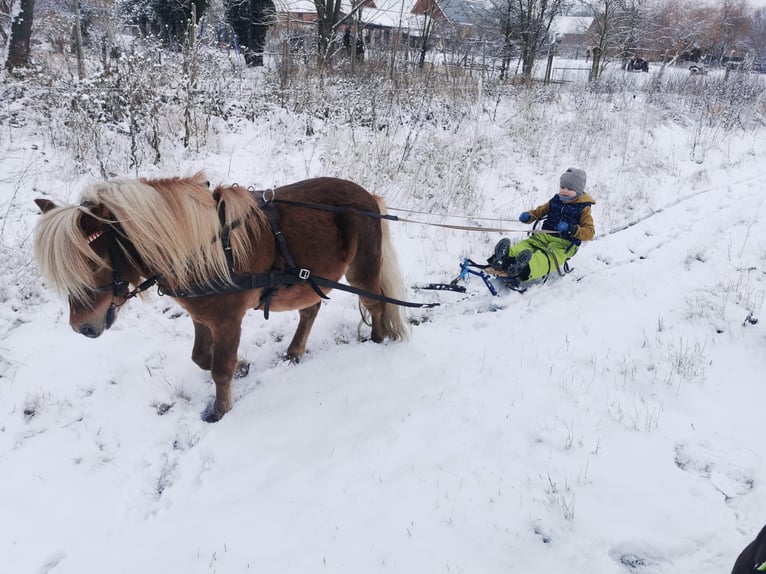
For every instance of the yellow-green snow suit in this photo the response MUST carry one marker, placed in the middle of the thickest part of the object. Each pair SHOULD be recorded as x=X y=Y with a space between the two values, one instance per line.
x=562 y=246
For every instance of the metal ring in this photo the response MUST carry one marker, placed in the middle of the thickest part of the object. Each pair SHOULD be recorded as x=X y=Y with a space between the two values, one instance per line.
x=268 y=195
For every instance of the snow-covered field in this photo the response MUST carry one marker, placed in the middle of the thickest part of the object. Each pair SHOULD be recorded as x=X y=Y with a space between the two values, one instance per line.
x=608 y=421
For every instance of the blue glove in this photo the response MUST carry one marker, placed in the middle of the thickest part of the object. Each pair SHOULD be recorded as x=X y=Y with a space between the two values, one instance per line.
x=564 y=227
x=525 y=217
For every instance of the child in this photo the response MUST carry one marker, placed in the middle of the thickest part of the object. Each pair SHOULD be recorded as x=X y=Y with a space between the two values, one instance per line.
x=567 y=215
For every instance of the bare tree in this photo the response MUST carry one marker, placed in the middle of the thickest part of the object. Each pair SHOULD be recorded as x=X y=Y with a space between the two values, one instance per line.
x=250 y=20
x=728 y=28
x=77 y=33
x=330 y=19
x=619 y=29
x=526 y=24
x=430 y=9
x=5 y=19
x=506 y=26
x=678 y=26
x=21 y=34
x=756 y=37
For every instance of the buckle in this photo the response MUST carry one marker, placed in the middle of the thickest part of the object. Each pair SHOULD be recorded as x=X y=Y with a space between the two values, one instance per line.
x=303 y=274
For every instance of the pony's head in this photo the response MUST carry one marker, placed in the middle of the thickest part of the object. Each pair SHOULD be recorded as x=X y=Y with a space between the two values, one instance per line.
x=74 y=247
x=126 y=229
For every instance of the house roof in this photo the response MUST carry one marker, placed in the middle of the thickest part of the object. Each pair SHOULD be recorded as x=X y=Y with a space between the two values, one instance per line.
x=464 y=11
x=392 y=14
x=456 y=11
x=305 y=6
x=570 y=25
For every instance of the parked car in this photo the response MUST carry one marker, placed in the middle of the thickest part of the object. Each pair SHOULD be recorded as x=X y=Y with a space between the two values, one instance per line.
x=638 y=64
x=697 y=70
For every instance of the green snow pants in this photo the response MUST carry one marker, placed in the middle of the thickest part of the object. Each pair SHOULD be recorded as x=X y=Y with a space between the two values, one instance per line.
x=544 y=248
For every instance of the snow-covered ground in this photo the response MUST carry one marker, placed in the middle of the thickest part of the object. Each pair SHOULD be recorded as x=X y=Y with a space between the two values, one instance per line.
x=608 y=421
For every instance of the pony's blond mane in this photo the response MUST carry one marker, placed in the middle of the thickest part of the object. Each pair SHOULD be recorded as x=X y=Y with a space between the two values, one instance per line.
x=173 y=224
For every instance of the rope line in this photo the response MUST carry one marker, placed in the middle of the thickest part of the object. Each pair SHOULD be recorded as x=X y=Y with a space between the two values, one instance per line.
x=474 y=228
x=533 y=231
x=474 y=217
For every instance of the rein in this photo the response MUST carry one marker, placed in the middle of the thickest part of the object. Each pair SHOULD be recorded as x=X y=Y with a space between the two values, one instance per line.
x=268 y=196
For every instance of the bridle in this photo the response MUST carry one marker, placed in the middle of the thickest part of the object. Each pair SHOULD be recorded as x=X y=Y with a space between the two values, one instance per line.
x=119 y=287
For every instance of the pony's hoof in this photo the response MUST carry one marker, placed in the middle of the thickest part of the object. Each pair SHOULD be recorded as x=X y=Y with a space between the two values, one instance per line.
x=292 y=359
x=242 y=370
x=210 y=415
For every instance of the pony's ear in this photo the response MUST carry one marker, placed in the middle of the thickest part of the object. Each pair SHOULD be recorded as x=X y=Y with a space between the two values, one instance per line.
x=45 y=205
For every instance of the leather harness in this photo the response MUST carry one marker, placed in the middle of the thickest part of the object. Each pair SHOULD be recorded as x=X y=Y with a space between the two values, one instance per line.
x=270 y=281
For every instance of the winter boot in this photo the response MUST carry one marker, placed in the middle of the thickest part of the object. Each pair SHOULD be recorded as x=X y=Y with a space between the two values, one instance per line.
x=500 y=259
x=519 y=264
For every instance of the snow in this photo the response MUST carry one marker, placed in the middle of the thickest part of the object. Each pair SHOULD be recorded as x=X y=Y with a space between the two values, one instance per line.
x=607 y=421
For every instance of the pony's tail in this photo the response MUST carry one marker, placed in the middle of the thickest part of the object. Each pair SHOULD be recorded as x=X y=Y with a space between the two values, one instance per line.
x=395 y=324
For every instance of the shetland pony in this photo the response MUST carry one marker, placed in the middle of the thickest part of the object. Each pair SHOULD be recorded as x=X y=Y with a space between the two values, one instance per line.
x=193 y=243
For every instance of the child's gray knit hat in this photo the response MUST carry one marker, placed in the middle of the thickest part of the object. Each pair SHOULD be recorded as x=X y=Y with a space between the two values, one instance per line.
x=574 y=179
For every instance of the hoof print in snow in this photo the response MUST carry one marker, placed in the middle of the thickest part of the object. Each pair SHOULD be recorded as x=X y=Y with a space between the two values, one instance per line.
x=727 y=480
x=546 y=538
x=162 y=408
x=29 y=413
x=632 y=561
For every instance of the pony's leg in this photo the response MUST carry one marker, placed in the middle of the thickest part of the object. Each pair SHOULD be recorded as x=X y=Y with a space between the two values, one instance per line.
x=298 y=344
x=363 y=275
x=375 y=309
x=375 y=269
x=224 y=364
x=202 y=353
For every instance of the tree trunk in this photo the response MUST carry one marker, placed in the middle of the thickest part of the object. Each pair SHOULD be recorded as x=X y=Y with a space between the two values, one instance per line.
x=78 y=40
x=528 y=61
x=595 y=69
x=21 y=33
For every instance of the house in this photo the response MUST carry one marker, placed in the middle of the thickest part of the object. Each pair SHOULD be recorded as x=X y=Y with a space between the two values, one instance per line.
x=380 y=21
x=385 y=22
x=570 y=33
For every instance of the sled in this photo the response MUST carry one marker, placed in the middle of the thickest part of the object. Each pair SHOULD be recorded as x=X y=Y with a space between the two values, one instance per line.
x=491 y=278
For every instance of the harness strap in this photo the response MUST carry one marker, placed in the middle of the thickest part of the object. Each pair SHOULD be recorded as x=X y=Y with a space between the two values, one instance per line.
x=278 y=278
x=117 y=257
x=291 y=271
x=287 y=277
x=226 y=235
